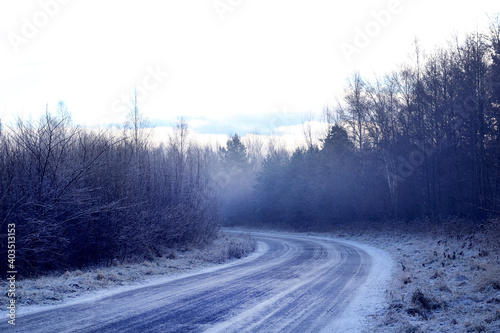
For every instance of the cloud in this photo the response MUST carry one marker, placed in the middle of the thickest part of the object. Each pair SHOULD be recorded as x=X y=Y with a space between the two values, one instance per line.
x=243 y=124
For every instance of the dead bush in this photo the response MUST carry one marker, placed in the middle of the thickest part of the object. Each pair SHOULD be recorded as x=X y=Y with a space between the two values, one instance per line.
x=100 y=275
x=239 y=249
x=423 y=305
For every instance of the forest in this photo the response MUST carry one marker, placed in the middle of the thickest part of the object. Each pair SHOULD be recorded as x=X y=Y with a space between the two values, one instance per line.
x=422 y=141
x=82 y=197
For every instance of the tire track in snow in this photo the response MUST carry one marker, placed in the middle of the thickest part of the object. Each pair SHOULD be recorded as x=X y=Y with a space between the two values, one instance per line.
x=298 y=284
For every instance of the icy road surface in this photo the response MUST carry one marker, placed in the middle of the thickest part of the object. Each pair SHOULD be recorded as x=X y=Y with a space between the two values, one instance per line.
x=292 y=284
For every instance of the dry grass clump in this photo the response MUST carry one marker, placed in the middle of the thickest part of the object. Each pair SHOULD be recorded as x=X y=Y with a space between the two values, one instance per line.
x=226 y=248
x=443 y=284
x=489 y=281
x=492 y=230
x=423 y=305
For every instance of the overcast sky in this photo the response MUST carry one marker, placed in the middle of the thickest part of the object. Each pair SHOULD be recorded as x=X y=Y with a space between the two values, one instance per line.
x=226 y=65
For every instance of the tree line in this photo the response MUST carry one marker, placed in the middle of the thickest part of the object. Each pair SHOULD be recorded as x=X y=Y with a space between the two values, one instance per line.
x=82 y=197
x=422 y=141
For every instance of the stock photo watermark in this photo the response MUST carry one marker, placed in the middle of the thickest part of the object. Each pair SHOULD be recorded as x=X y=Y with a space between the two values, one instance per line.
x=280 y=117
x=223 y=7
x=11 y=273
x=426 y=149
x=365 y=34
x=33 y=24
x=152 y=80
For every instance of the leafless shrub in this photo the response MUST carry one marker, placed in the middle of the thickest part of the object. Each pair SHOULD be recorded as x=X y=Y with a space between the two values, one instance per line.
x=100 y=275
x=240 y=248
x=83 y=198
x=235 y=247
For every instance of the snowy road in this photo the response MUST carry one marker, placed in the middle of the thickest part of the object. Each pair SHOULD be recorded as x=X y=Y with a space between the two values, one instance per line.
x=293 y=284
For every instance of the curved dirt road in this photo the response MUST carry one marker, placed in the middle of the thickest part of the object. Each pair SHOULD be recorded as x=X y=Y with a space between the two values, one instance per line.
x=293 y=284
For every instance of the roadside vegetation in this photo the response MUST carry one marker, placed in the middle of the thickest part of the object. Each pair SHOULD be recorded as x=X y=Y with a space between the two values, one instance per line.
x=446 y=276
x=82 y=197
x=443 y=284
x=61 y=286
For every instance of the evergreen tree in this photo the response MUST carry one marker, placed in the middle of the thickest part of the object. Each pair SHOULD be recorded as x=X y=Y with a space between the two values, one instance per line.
x=234 y=154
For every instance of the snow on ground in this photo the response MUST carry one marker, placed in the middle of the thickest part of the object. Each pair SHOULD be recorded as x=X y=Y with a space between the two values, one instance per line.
x=443 y=285
x=370 y=298
x=431 y=281
x=419 y=282
x=38 y=294
x=440 y=283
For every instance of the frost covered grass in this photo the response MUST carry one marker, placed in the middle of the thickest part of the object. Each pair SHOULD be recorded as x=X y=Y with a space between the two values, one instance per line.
x=230 y=247
x=446 y=278
x=62 y=286
x=443 y=285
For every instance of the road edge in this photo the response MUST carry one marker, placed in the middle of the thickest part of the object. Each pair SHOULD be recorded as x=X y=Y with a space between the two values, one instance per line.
x=370 y=300
x=371 y=296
